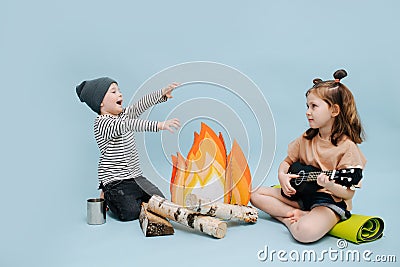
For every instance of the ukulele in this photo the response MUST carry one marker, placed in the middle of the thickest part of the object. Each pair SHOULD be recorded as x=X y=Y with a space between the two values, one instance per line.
x=306 y=183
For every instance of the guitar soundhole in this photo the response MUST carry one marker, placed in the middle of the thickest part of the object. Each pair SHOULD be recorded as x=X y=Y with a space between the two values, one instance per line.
x=302 y=177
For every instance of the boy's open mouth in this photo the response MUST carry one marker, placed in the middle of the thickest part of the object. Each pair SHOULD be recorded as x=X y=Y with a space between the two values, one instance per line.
x=119 y=102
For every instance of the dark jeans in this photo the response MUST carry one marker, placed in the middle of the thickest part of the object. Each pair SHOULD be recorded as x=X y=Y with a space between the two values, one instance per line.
x=125 y=197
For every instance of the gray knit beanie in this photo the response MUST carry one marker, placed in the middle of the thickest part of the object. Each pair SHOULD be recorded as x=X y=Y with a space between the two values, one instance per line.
x=92 y=92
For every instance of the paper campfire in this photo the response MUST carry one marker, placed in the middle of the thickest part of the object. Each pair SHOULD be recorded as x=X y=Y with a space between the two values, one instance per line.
x=206 y=188
x=209 y=173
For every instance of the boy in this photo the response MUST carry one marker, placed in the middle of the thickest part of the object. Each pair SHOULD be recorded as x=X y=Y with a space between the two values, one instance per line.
x=120 y=176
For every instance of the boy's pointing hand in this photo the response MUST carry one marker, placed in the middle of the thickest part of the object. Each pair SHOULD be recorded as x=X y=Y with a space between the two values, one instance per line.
x=167 y=91
x=169 y=125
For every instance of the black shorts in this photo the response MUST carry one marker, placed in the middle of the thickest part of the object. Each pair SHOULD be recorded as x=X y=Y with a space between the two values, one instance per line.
x=326 y=200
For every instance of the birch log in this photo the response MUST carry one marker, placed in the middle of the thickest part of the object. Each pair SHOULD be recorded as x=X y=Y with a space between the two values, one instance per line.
x=222 y=210
x=189 y=218
x=152 y=224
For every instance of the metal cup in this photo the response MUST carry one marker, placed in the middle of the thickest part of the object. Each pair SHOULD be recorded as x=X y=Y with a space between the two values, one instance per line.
x=96 y=211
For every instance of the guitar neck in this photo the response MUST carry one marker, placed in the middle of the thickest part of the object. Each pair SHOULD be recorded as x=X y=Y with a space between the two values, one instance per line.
x=312 y=176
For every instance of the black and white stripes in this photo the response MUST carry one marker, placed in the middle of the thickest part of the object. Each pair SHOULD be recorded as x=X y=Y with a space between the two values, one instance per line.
x=115 y=137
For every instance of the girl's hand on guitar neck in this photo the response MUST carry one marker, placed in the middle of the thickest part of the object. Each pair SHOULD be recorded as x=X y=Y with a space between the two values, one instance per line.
x=336 y=189
x=324 y=181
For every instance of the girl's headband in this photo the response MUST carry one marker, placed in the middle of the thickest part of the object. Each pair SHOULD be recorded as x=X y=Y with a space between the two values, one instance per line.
x=338 y=75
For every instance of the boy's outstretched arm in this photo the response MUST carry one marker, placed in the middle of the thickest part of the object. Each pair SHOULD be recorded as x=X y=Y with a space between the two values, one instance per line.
x=149 y=100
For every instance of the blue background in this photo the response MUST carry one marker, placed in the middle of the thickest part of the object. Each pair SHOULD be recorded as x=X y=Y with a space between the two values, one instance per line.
x=49 y=155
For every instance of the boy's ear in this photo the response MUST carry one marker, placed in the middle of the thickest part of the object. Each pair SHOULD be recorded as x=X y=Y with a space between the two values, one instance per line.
x=335 y=110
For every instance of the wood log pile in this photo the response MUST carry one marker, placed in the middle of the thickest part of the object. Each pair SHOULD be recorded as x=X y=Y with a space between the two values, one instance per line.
x=199 y=214
x=153 y=224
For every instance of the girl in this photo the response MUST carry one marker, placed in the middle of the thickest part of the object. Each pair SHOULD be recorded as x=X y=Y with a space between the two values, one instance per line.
x=329 y=144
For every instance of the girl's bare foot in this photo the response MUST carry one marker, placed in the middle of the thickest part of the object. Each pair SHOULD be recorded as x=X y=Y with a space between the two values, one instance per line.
x=295 y=215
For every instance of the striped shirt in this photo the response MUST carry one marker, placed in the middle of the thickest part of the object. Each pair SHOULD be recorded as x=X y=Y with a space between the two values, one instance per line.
x=115 y=137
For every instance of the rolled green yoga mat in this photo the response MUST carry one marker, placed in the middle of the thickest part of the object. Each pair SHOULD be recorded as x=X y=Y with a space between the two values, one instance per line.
x=359 y=228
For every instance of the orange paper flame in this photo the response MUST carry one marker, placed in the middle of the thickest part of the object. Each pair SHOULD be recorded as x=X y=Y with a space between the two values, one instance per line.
x=209 y=173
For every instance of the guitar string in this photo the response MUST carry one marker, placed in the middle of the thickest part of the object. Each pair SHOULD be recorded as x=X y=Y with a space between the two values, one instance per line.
x=311 y=176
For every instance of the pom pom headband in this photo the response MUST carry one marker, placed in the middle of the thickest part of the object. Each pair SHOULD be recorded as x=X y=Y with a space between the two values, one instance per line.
x=338 y=75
